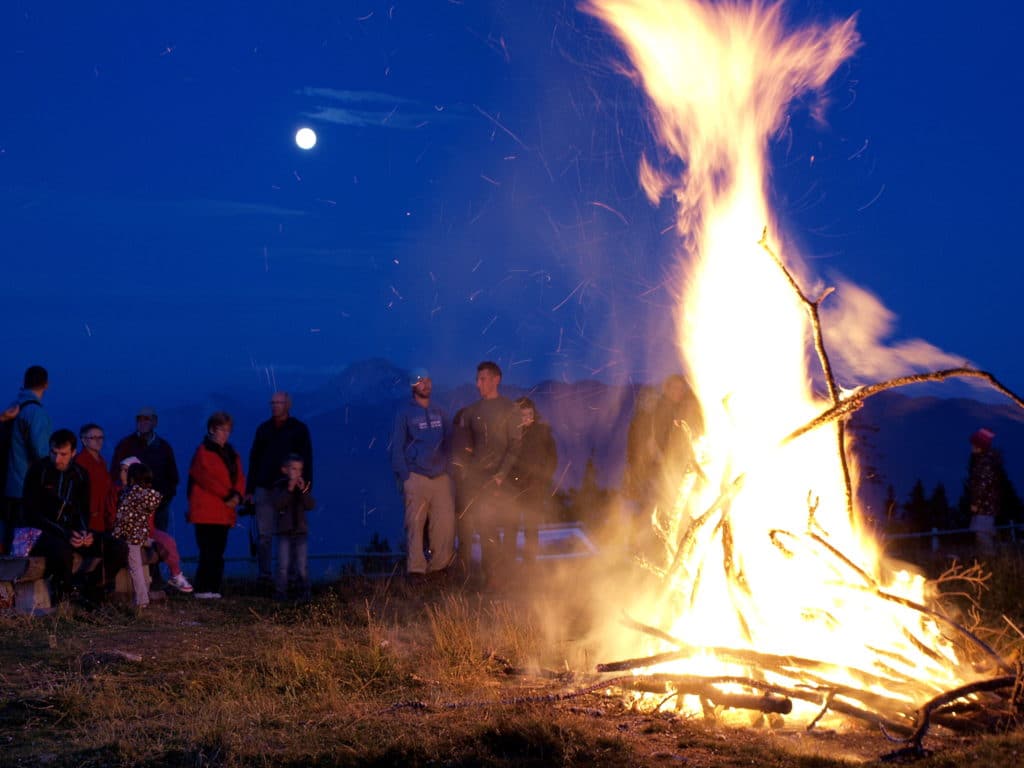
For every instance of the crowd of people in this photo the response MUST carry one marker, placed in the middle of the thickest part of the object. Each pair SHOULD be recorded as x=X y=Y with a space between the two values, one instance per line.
x=486 y=472
x=481 y=475
x=90 y=519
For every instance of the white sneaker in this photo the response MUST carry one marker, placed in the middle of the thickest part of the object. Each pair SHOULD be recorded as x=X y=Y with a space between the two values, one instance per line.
x=180 y=583
x=207 y=595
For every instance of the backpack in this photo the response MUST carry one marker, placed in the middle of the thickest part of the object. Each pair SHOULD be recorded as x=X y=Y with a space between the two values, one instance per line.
x=7 y=437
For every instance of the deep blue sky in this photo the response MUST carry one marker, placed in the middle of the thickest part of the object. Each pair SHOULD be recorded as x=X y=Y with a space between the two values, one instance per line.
x=163 y=237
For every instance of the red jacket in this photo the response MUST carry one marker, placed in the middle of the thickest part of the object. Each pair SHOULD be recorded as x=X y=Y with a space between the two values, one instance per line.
x=99 y=489
x=210 y=486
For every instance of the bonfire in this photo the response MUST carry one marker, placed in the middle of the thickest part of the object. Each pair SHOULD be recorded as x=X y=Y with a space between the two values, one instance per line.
x=775 y=595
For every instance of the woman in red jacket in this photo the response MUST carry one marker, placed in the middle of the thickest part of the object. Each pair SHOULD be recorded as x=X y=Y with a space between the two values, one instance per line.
x=215 y=487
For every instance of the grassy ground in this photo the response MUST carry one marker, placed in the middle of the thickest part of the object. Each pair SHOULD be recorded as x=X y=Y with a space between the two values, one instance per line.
x=371 y=673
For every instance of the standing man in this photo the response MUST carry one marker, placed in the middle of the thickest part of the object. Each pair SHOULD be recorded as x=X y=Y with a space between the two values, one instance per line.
x=276 y=439
x=489 y=440
x=419 y=457
x=156 y=453
x=30 y=438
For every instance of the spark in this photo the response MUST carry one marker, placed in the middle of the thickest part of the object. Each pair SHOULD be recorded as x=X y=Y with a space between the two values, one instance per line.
x=296 y=175
x=860 y=151
x=168 y=49
x=873 y=200
x=372 y=441
x=367 y=17
x=488 y=326
x=88 y=330
x=492 y=181
x=611 y=210
x=571 y=294
x=498 y=124
x=564 y=473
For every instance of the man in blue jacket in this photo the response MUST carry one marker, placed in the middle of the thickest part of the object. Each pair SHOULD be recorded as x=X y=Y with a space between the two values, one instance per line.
x=419 y=458
x=30 y=441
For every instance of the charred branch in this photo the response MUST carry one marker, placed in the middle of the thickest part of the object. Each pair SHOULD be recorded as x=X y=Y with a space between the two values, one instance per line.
x=855 y=400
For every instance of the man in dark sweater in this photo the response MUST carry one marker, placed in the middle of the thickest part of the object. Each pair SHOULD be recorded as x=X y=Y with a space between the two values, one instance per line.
x=156 y=453
x=276 y=438
x=488 y=439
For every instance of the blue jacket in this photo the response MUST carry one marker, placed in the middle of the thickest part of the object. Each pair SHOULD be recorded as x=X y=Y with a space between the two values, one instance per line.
x=419 y=441
x=30 y=441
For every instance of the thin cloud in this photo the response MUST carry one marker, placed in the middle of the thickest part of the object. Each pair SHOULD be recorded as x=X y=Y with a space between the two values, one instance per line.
x=370 y=109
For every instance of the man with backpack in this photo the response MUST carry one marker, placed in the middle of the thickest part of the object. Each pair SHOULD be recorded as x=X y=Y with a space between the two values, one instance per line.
x=23 y=440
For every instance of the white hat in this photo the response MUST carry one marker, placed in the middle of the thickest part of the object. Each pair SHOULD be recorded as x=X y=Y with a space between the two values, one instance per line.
x=127 y=462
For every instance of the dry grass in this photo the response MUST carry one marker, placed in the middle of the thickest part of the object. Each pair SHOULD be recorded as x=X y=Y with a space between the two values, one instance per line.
x=372 y=673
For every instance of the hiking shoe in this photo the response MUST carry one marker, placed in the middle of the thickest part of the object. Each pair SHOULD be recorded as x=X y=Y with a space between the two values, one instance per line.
x=207 y=595
x=180 y=583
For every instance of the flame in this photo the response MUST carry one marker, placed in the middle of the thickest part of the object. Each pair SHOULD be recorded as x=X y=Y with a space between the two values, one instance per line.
x=765 y=551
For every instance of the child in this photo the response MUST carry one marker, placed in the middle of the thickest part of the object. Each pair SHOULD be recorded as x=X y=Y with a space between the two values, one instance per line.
x=291 y=500
x=161 y=541
x=135 y=506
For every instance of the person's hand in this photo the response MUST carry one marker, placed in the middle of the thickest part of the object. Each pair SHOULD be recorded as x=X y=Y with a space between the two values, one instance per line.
x=10 y=413
x=81 y=539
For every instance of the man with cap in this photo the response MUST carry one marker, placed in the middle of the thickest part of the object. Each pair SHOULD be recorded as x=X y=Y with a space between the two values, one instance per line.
x=157 y=454
x=275 y=440
x=419 y=457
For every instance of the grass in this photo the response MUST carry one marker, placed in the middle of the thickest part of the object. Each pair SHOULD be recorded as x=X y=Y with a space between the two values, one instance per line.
x=371 y=673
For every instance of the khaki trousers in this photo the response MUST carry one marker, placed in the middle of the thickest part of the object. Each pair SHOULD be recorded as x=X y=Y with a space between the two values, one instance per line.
x=428 y=500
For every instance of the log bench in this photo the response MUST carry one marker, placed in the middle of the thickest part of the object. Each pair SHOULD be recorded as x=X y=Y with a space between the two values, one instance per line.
x=24 y=590
x=22 y=586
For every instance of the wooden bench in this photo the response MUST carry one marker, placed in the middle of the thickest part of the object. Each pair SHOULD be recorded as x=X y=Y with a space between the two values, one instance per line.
x=22 y=586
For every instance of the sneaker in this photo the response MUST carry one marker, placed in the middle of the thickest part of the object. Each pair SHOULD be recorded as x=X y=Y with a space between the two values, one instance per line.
x=207 y=595
x=180 y=583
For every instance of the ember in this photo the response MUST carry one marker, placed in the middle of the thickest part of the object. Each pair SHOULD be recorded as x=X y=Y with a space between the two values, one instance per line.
x=775 y=597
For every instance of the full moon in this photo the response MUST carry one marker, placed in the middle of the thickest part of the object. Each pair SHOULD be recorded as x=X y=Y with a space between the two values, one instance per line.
x=305 y=138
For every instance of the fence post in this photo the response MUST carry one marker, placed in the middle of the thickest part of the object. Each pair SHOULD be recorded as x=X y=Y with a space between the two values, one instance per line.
x=935 y=539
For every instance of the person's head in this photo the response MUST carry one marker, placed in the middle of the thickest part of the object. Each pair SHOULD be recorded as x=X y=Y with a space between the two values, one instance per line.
x=62 y=448
x=528 y=410
x=140 y=474
x=145 y=421
x=982 y=440
x=292 y=466
x=280 y=406
x=488 y=379
x=421 y=383
x=126 y=464
x=36 y=378
x=675 y=388
x=218 y=427
x=91 y=436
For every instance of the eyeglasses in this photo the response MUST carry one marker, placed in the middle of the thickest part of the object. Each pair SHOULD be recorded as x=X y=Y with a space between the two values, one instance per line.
x=93 y=437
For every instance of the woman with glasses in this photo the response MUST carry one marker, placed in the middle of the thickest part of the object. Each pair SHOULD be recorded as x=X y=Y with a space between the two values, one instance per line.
x=216 y=485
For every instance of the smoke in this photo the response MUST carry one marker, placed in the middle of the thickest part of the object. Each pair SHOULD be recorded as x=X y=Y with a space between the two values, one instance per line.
x=857 y=328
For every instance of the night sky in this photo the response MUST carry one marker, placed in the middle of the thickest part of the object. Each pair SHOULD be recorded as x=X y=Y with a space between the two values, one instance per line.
x=473 y=193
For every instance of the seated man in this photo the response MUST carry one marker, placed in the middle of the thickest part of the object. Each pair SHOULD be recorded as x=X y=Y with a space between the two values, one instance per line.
x=56 y=502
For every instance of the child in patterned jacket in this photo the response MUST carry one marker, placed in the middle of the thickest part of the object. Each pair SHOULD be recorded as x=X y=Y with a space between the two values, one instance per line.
x=135 y=507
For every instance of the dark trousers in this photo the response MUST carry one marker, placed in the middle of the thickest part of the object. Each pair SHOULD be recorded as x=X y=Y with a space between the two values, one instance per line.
x=211 y=540
x=162 y=516
x=59 y=556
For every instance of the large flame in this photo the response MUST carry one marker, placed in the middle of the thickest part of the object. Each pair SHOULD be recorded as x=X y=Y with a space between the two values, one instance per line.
x=764 y=552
